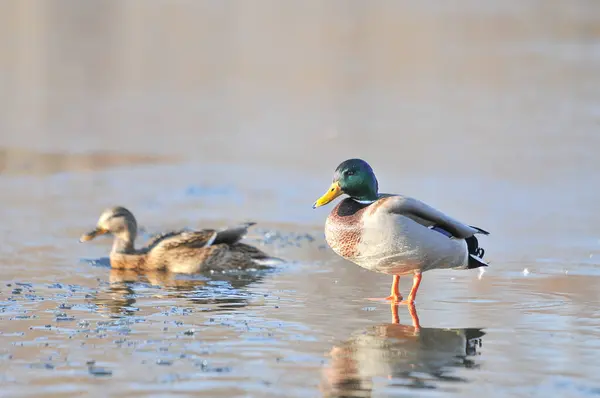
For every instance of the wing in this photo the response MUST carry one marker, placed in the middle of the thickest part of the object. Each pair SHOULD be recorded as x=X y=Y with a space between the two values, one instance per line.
x=190 y=239
x=198 y=239
x=232 y=235
x=248 y=250
x=156 y=239
x=428 y=216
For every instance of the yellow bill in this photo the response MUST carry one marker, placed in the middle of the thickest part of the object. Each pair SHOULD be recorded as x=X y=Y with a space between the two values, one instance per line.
x=333 y=192
x=92 y=234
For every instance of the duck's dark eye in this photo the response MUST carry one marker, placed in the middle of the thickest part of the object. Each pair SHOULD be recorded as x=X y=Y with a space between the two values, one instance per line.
x=349 y=173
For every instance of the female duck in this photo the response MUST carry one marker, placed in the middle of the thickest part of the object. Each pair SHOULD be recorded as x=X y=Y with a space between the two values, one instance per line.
x=394 y=234
x=178 y=251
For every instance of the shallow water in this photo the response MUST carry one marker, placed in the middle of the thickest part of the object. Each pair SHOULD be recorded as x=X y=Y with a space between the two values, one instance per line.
x=197 y=114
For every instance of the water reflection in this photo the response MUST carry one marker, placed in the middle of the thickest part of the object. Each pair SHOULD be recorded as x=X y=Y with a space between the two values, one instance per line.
x=217 y=292
x=409 y=356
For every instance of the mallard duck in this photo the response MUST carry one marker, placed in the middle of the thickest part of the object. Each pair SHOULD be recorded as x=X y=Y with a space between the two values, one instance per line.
x=176 y=251
x=394 y=234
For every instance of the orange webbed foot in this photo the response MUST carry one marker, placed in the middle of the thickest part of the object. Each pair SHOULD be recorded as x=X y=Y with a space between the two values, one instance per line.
x=394 y=298
x=408 y=301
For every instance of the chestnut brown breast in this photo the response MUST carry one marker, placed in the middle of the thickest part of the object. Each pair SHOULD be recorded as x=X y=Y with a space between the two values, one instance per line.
x=343 y=228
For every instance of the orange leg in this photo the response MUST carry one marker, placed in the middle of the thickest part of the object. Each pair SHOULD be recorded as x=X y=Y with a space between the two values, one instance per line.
x=395 y=295
x=415 y=287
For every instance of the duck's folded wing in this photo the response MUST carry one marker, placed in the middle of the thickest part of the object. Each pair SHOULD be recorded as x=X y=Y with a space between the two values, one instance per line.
x=428 y=216
x=248 y=250
x=191 y=239
x=156 y=239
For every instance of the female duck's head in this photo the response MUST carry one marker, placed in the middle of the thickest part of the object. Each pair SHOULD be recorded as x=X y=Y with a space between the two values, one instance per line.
x=119 y=222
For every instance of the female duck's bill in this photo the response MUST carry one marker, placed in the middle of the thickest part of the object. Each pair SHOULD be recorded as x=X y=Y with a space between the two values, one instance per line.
x=92 y=234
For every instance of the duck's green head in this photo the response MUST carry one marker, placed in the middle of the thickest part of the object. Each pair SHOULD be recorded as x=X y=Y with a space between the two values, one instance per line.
x=355 y=178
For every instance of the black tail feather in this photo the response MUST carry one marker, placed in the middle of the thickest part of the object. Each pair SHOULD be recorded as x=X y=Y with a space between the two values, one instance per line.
x=475 y=253
x=234 y=234
x=475 y=262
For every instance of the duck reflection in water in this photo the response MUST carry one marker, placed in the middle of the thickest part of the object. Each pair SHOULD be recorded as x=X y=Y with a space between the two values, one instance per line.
x=408 y=356
x=218 y=291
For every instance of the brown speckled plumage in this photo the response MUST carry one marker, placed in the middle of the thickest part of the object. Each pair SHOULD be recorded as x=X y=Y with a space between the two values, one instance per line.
x=176 y=251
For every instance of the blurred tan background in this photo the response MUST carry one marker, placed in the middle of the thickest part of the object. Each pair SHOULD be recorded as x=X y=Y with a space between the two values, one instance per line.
x=501 y=85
